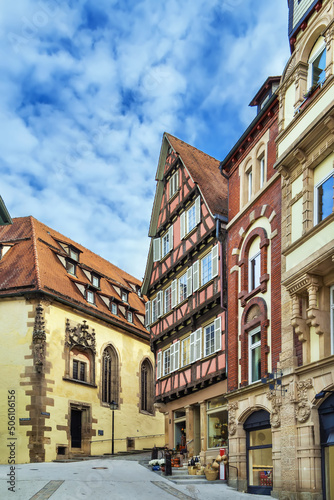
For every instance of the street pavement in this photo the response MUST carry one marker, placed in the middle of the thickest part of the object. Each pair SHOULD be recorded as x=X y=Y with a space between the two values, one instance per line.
x=116 y=478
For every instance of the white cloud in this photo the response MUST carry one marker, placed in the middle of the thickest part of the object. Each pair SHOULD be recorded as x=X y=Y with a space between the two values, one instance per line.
x=87 y=91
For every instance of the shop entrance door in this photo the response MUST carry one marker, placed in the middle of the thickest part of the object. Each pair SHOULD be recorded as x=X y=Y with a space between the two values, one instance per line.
x=326 y=417
x=197 y=430
x=259 y=453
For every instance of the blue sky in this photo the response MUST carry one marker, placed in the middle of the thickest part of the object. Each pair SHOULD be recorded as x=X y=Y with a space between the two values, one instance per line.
x=88 y=88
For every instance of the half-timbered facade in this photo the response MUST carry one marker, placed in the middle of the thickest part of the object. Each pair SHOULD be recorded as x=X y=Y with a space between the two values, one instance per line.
x=254 y=313
x=186 y=307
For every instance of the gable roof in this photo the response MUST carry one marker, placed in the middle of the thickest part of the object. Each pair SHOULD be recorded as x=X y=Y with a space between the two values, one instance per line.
x=204 y=171
x=35 y=262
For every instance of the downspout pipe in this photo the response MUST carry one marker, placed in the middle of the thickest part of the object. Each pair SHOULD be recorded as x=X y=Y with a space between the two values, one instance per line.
x=223 y=260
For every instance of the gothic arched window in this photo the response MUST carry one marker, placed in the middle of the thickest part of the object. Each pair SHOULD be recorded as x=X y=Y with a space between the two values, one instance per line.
x=109 y=375
x=146 y=386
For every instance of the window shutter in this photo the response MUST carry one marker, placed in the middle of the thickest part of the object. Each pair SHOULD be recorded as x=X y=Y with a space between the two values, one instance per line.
x=148 y=313
x=174 y=294
x=192 y=347
x=198 y=209
x=159 y=365
x=198 y=344
x=182 y=225
x=189 y=281
x=177 y=355
x=156 y=250
x=215 y=260
x=218 y=334
x=160 y=304
x=171 y=350
x=195 y=268
x=170 y=232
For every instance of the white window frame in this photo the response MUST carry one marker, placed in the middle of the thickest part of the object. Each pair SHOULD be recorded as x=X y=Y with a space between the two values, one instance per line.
x=252 y=347
x=185 y=228
x=321 y=49
x=175 y=356
x=254 y=276
x=249 y=176
x=163 y=246
x=209 y=330
x=166 y=354
x=168 y=290
x=90 y=297
x=214 y=256
x=185 y=352
x=181 y=286
x=74 y=254
x=130 y=316
x=216 y=327
x=173 y=184
x=262 y=163
x=125 y=296
x=113 y=308
x=196 y=281
x=159 y=359
x=154 y=309
x=316 y=198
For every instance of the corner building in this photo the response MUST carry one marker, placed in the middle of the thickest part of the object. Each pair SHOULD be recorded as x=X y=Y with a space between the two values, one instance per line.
x=73 y=337
x=254 y=315
x=305 y=162
x=187 y=298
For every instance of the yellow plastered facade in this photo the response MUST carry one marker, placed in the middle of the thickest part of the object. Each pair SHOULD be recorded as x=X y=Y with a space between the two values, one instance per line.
x=56 y=395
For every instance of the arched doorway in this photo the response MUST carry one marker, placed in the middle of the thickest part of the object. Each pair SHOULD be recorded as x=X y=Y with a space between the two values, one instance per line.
x=259 y=453
x=326 y=417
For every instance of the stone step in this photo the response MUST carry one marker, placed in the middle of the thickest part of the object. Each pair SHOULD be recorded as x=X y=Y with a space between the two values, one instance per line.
x=195 y=480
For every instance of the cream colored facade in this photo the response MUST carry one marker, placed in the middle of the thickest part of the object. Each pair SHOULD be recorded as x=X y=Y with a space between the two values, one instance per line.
x=45 y=397
x=306 y=163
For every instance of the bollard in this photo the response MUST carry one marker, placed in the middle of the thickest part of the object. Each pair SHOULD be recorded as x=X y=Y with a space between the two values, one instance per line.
x=168 y=465
x=154 y=454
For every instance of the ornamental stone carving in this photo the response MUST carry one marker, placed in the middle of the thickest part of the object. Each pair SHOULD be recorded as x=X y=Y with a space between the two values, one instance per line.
x=303 y=409
x=80 y=336
x=38 y=339
x=232 y=421
x=276 y=403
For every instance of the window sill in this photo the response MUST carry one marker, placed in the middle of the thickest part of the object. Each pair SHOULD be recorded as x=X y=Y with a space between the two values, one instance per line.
x=262 y=288
x=81 y=382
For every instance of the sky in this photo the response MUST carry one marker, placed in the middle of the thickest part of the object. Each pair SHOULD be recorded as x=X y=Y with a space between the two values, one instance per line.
x=88 y=88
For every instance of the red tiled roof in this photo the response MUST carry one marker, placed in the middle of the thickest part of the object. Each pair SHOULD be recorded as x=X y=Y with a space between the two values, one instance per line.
x=205 y=172
x=33 y=265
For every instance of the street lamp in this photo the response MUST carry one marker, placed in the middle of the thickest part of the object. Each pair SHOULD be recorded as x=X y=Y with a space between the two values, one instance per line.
x=112 y=406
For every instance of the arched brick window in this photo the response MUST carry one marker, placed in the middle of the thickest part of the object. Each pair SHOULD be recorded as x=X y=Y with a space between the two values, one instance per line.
x=254 y=341
x=146 y=386
x=110 y=375
x=253 y=266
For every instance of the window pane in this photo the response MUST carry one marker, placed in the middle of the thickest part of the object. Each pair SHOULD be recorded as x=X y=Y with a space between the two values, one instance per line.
x=318 y=68
x=217 y=429
x=183 y=288
x=325 y=199
x=256 y=363
x=209 y=339
x=75 y=369
x=191 y=218
x=260 y=438
x=165 y=245
x=206 y=268
x=254 y=272
x=82 y=371
x=168 y=299
x=260 y=467
x=186 y=351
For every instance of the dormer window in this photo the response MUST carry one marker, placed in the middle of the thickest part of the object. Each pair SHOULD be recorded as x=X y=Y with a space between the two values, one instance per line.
x=70 y=267
x=95 y=281
x=74 y=254
x=90 y=297
x=125 y=296
x=113 y=308
x=130 y=317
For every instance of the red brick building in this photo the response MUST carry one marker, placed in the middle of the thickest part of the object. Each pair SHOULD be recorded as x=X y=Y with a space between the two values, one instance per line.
x=254 y=310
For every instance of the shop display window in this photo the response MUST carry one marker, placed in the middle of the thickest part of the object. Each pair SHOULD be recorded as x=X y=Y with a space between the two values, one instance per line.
x=217 y=423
